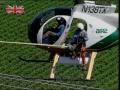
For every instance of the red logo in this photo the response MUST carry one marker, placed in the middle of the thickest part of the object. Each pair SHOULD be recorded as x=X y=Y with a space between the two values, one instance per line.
x=15 y=9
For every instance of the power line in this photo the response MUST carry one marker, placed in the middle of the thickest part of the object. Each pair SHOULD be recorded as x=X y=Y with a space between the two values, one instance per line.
x=60 y=84
x=11 y=86
x=47 y=83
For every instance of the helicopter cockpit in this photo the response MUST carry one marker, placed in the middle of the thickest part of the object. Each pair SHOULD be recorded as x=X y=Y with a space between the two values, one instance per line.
x=47 y=22
x=52 y=30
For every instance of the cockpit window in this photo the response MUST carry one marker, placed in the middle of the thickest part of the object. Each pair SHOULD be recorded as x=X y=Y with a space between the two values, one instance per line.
x=53 y=30
x=73 y=28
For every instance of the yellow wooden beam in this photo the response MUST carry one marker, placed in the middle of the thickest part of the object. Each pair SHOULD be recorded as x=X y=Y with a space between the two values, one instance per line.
x=52 y=74
x=90 y=67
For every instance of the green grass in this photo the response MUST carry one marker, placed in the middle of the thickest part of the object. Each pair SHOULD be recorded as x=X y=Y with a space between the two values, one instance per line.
x=14 y=28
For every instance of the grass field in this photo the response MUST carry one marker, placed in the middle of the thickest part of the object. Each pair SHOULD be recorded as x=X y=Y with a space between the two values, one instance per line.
x=16 y=74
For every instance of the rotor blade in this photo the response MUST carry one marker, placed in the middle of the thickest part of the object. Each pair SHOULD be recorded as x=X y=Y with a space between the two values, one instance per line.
x=48 y=47
x=35 y=44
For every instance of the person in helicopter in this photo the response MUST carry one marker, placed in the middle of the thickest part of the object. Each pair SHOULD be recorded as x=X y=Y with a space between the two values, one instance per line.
x=57 y=32
x=78 y=43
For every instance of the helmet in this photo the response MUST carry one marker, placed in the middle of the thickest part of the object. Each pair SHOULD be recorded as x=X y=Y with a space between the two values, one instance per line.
x=80 y=25
x=58 y=18
x=61 y=20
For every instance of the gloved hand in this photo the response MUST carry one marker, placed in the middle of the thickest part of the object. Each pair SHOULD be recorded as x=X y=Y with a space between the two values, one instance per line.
x=83 y=49
x=71 y=47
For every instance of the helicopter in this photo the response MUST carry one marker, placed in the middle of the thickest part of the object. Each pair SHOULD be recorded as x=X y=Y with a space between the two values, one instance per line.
x=101 y=25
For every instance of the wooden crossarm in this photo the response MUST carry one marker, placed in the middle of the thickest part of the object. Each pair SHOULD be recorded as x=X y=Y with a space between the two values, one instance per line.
x=52 y=74
x=91 y=63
